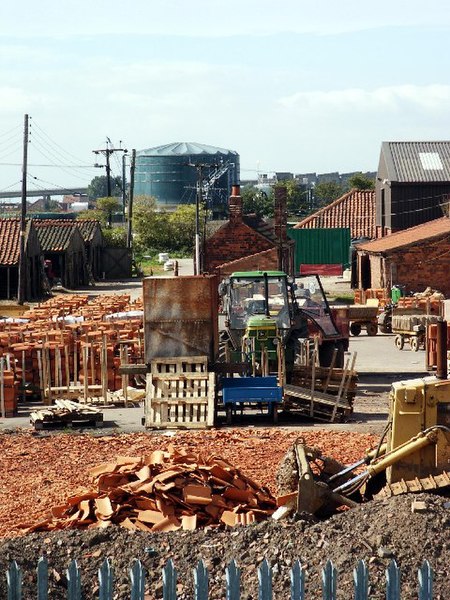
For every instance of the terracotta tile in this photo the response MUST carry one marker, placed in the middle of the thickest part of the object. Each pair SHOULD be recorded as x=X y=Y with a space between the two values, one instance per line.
x=197 y=494
x=150 y=516
x=189 y=522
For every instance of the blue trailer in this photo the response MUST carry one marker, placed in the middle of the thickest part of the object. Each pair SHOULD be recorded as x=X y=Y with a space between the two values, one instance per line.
x=251 y=390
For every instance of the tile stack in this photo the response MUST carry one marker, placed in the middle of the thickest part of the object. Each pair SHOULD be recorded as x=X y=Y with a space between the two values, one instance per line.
x=164 y=491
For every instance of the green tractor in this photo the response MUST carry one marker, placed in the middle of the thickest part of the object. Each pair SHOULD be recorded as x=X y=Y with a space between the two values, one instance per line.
x=267 y=316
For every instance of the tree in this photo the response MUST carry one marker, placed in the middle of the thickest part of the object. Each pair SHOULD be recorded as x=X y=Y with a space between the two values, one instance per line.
x=359 y=181
x=105 y=207
x=257 y=201
x=297 y=196
x=326 y=192
x=98 y=188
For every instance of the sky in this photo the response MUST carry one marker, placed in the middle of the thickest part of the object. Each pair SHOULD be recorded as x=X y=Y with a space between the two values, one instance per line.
x=291 y=86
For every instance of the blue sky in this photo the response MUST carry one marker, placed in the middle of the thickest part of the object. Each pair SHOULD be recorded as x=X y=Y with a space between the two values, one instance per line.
x=291 y=86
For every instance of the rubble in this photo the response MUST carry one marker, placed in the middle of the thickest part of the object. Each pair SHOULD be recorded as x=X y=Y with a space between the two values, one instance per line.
x=163 y=491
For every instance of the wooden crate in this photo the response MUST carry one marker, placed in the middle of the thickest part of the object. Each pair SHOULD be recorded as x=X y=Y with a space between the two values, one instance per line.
x=179 y=393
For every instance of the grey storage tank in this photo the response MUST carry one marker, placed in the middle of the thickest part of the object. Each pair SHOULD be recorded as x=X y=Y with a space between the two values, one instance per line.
x=171 y=173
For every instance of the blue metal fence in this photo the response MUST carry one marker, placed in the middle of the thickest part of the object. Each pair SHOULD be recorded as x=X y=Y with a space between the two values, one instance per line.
x=233 y=582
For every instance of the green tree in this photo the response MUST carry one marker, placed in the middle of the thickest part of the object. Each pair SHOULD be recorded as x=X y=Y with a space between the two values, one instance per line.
x=98 y=188
x=297 y=196
x=116 y=237
x=359 y=181
x=257 y=201
x=326 y=192
x=103 y=211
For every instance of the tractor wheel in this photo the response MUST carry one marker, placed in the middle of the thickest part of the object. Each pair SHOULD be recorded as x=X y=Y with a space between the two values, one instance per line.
x=414 y=343
x=372 y=329
x=326 y=350
x=399 y=342
x=355 y=328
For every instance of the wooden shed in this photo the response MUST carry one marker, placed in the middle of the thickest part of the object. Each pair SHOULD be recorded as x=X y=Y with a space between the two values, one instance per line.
x=92 y=234
x=415 y=258
x=63 y=244
x=9 y=260
x=412 y=184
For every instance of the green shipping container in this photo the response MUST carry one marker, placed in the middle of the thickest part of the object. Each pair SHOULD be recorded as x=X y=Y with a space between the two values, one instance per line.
x=321 y=247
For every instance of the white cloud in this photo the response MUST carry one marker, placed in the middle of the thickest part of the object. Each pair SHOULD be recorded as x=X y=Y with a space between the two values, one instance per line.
x=390 y=99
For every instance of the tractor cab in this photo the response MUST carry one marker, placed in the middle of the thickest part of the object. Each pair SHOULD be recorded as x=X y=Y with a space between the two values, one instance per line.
x=264 y=295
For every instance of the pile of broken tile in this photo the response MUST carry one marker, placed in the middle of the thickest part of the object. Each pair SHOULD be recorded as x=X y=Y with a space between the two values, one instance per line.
x=164 y=491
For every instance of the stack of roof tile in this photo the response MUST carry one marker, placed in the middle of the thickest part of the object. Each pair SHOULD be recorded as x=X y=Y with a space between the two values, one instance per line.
x=164 y=491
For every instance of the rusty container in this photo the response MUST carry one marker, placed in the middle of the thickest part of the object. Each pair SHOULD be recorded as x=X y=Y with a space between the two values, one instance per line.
x=181 y=316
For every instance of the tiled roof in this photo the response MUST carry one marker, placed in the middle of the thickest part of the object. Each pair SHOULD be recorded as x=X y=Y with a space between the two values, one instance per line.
x=413 y=235
x=417 y=162
x=54 y=234
x=355 y=210
x=87 y=228
x=261 y=226
x=9 y=241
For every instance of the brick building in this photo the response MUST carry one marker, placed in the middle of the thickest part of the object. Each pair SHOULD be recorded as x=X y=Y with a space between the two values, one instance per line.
x=416 y=258
x=250 y=242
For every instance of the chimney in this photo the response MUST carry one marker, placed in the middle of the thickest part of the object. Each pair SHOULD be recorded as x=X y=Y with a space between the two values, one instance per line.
x=280 y=214
x=235 y=205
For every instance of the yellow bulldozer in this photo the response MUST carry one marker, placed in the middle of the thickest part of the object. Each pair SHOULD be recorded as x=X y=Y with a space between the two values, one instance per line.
x=413 y=454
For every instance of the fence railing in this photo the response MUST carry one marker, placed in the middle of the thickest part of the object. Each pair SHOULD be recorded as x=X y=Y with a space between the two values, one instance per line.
x=137 y=574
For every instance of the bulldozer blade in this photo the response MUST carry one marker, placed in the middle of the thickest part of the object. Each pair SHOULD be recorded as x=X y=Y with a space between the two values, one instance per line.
x=315 y=497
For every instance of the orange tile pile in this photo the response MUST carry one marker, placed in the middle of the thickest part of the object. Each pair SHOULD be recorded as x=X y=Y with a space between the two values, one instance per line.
x=63 y=341
x=38 y=472
x=164 y=491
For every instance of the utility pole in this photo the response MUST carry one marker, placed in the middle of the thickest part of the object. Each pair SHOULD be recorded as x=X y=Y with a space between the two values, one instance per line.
x=124 y=184
x=21 y=291
x=107 y=153
x=130 y=199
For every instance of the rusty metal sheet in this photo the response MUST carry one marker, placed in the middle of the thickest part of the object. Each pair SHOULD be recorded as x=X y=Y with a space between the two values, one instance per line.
x=181 y=316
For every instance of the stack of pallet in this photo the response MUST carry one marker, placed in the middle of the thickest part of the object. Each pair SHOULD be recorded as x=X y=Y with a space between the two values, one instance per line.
x=67 y=347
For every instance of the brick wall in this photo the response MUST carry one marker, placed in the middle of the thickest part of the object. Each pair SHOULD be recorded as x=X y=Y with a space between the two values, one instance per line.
x=232 y=241
x=421 y=266
x=263 y=261
x=416 y=267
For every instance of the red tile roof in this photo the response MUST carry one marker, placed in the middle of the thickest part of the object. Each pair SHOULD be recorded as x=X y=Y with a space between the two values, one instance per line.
x=355 y=210
x=413 y=235
x=9 y=241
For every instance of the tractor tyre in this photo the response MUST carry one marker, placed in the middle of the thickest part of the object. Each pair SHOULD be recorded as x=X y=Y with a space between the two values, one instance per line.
x=372 y=329
x=355 y=329
x=326 y=350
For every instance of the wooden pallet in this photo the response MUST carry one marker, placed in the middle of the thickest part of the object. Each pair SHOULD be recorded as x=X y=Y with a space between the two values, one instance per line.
x=179 y=394
x=66 y=413
x=318 y=405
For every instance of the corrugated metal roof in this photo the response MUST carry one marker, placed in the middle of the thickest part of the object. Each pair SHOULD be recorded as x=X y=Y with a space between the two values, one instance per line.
x=354 y=210
x=184 y=148
x=417 y=162
x=413 y=235
x=9 y=241
x=54 y=234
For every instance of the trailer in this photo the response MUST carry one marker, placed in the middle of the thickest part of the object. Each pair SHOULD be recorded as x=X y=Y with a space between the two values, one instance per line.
x=363 y=316
x=411 y=329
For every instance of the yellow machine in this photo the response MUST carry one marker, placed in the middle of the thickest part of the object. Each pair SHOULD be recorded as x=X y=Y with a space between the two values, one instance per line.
x=415 y=456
